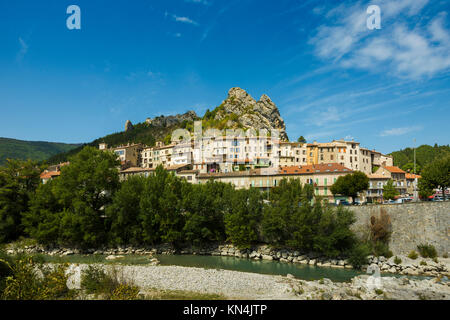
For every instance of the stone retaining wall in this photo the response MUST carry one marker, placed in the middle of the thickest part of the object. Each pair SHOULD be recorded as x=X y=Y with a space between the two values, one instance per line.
x=412 y=224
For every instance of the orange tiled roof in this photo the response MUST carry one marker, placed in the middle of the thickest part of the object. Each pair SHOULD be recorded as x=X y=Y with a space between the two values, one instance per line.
x=412 y=176
x=50 y=174
x=394 y=169
x=378 y=176
x=315 y=168
x=136 y=169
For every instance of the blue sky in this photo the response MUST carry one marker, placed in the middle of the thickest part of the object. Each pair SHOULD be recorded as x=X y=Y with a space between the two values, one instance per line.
x=330 y=76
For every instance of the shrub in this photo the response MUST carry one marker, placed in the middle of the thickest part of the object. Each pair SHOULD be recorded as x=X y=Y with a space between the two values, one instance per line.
x=32 y=281
x=380 y=227
x=378 y=291
x=413 y=255
x=125 y=291
x=423 y=263
x=435 y=259
x=110 y=286
x=397 y=260
x=445 y=255
x=358 y=256
x=95 y=280
x=427 y=250
x=381 y=249
x=5 y=269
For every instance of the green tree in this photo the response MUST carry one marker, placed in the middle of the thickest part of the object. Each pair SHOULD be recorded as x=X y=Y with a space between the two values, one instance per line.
x=436 y=175
x=171 y=218
x=124 y=211
x=409 y=167
x=301 y=139
x=18 y=181
x=160 y=212
x=244 y=216
x=389 y=191
x=42 y=222
x=350 y=185
x=204 y=207
x=73 y=206
x=333 y=235
x=283 y=217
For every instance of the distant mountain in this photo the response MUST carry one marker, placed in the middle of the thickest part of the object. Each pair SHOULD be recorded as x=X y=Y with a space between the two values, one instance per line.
x=424 y=155
x=34 y=150
x=238 y=110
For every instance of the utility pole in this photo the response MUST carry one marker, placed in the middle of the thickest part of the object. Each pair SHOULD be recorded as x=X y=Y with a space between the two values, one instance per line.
x=415 y=177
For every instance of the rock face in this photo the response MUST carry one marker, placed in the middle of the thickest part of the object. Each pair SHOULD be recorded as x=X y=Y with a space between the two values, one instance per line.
x=128 y=126
x=167 y=121
x=262 y=114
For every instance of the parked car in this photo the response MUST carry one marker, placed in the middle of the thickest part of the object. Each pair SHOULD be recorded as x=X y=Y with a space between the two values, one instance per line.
x=438 y=198
x=344 y=203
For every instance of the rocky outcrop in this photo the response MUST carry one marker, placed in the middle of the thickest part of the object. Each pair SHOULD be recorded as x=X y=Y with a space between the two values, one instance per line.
x=262 y=114
x=128 y=126
x=168 y=121
x=362 y=288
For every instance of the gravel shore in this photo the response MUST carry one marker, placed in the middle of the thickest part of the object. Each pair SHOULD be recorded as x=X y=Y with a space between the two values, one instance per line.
x=253 y=286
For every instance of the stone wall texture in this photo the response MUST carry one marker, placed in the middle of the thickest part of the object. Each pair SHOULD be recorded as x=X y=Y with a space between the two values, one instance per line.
x=412 y=224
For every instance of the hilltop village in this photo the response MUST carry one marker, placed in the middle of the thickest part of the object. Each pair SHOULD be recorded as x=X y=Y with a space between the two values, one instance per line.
x=258 y=154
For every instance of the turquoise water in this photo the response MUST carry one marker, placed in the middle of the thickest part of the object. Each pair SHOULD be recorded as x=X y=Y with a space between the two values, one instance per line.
x=300 y=271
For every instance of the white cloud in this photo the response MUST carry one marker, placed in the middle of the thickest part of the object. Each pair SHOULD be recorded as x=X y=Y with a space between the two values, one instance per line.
x=399 y=131
x=185 y=20
x=404 y=49
x=330 y=115
x=23 y=50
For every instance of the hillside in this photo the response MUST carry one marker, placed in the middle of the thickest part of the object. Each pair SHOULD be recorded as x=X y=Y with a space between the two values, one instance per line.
x=238 y=110
x=424 y=155
x=34 y=150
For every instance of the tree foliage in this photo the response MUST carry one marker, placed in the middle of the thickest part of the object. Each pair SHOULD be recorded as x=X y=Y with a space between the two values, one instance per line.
x=243 y=218
x=73 y=206
x=436 y=175
x=291 y=220
x=425 y=154
x=389 y=191
x=18 y=181
x=351 y=184
x=87 y=206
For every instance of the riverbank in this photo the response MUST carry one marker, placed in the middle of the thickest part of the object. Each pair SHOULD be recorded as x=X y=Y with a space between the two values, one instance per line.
x=400 y=264
x=251 y=286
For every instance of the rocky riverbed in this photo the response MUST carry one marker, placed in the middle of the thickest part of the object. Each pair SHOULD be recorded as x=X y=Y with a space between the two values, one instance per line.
x=242 y=285
x=399 y=264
